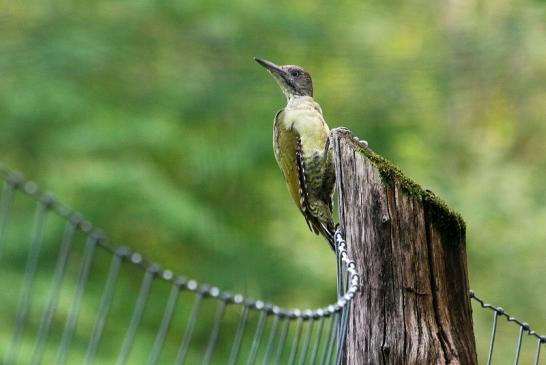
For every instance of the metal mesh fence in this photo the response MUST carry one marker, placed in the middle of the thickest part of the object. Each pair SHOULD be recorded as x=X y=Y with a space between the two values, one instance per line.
x=55 y=318
x=524 y=329
x=50 y=312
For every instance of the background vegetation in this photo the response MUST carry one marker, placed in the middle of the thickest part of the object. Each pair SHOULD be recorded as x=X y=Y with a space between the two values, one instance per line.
x=152 y=119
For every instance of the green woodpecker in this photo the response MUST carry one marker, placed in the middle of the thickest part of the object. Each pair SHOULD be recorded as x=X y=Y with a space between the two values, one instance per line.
x=301 y=147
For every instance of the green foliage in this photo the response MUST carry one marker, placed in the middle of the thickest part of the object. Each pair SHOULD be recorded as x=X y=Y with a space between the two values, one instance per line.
x=153 y=120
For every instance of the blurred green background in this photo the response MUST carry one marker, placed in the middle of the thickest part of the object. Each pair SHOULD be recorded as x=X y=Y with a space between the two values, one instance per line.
x=152 y=119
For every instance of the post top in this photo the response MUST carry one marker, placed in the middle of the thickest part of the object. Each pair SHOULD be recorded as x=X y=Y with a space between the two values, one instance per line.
x=447 y=219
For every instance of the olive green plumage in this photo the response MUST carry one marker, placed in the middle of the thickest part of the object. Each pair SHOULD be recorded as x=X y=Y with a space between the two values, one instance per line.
x=301 y=147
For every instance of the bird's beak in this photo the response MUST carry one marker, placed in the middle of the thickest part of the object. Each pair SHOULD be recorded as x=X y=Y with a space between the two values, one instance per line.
x=270 y=66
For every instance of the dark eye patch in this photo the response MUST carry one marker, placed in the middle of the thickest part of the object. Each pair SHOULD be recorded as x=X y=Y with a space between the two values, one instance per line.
x=295 y=73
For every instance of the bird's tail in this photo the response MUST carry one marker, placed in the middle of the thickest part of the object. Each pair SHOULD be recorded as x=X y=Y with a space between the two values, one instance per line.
x=319 y=219
x=328 y=231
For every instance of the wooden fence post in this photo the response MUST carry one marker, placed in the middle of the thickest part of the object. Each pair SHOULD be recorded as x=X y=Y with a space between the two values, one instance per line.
x=413 y=306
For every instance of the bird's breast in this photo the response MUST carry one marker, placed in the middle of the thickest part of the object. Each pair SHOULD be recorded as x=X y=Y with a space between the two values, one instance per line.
x=304 y=115
x=309 y=125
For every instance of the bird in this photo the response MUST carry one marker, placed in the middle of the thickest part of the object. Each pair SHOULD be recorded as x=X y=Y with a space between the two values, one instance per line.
x=301 y=145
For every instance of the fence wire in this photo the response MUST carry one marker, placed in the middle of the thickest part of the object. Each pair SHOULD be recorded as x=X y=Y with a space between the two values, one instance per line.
x=255 y=332
x=60 y=322
x=524 y=328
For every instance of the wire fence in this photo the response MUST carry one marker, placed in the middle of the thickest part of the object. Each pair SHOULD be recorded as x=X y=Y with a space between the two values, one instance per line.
x=49 y=321
x=50 y=312
x=524 y=329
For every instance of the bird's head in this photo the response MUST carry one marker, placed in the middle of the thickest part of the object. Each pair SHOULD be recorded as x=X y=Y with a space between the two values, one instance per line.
x=293 y=80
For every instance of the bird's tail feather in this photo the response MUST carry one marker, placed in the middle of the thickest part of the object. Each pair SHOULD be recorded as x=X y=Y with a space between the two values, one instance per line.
x=328 y=232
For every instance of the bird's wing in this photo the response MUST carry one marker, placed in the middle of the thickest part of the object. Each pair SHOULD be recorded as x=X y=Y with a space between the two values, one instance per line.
x=289 y=156
x=302 y=187
x=328 y=184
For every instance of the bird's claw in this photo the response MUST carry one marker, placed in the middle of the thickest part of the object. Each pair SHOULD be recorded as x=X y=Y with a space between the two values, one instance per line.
x=361 y=142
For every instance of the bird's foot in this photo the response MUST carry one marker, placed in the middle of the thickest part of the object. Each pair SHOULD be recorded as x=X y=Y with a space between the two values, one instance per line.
x=361 y=142
x=340 y=129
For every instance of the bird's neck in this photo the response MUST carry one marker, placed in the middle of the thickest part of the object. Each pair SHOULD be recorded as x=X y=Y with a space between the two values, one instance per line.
x=302 y=102
x=294 y=100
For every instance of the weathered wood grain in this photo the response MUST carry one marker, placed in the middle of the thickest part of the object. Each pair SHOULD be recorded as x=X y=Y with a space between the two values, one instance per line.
x=413 y=306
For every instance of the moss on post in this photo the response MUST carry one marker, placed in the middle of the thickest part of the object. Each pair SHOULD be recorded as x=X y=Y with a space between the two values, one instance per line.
x=450 y=221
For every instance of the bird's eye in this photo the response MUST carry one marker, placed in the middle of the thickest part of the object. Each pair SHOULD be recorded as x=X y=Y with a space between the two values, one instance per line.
x=295 y=73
